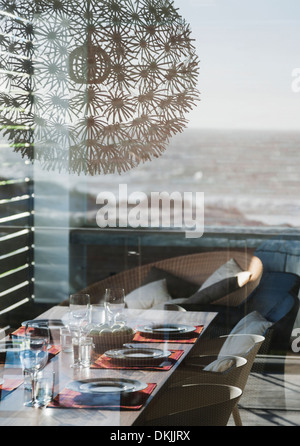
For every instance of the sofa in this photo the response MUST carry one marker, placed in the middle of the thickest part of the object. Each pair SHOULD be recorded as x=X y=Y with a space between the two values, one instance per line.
x=184 y=276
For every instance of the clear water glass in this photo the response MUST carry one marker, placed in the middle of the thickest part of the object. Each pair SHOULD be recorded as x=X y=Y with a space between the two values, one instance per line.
x=66 y=340
x=97 y=314
x=82 y=351
x=45 y=387
x=114 y=302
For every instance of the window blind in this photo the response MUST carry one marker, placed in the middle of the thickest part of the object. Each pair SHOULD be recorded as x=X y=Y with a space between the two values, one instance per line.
x=16 y=184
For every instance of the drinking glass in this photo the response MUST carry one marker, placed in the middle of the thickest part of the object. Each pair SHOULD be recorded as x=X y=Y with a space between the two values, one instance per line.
x=114 y=302
x=34 y=355
x=97 y=314
x=79 y=312
x=79 y=316
x=82 y=350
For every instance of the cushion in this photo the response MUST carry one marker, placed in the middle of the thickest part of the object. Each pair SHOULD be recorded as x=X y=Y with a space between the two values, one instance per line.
x=236 y=345
x=228 y=270
x=253 y=323
x=177 y=287
x=225 y=280
x=214 y=292
x=219 y=365
x=148 y=296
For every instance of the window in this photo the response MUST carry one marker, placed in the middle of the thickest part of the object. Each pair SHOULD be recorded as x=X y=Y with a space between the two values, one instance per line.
x=239 y=148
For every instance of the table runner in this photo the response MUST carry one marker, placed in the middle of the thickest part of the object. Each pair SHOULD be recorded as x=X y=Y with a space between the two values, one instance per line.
x=76 y=400
x=103 y=362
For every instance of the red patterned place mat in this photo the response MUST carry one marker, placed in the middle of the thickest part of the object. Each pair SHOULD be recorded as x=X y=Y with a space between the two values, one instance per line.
x=76 y=400
x=9 y=385
x=103 y=362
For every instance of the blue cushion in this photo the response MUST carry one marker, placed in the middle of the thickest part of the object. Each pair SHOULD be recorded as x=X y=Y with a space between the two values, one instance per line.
x=280 y=255
x=272 y=297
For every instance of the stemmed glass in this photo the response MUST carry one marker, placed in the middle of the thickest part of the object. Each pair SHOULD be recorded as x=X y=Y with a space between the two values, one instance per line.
x=79 y=311
x=34 y=355
x=114 y=302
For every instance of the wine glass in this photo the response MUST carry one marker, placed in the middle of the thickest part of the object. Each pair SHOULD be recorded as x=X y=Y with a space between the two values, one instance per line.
x=79 y=312
x=114 y=302
x=34 y=355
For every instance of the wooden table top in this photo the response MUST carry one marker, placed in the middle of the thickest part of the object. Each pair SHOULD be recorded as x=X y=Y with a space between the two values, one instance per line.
x=14 y=413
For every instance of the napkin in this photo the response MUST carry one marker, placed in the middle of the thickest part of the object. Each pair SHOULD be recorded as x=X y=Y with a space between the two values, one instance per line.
x=127 y=401
x=104 y=362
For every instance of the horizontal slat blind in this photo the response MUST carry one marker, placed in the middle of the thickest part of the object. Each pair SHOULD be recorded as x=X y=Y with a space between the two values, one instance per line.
x=16 y=185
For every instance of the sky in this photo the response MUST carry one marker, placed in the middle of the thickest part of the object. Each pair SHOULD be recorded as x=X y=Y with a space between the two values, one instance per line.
x=248 y=50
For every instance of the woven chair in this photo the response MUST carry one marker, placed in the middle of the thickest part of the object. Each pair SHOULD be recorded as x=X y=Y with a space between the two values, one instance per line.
x=195 y=268
x=191 y=371
x=192 y=405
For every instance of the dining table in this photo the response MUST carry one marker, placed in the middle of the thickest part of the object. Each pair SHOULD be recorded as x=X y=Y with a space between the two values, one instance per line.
x=69 y=407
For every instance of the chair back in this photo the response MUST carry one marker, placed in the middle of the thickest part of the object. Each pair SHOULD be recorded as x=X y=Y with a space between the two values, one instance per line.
x=247 y=346
x=236 y=375
x=250 y=356
x=194 y=405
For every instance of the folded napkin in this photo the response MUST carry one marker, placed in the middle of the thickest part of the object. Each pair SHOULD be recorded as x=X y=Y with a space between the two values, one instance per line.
x=103 y=362
x=127 y=401
x=53 y=350
x=185 y=338
x=9 y=385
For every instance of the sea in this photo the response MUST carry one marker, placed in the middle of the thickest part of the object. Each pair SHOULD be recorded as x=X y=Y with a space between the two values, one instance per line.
x=247 y=177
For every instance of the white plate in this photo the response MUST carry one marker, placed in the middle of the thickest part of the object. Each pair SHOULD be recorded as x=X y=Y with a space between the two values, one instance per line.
x=138 y=355
x=104 y=386
x=167 y=329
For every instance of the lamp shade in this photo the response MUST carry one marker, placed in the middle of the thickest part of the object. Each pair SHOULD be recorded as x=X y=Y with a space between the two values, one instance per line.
x=95 y=86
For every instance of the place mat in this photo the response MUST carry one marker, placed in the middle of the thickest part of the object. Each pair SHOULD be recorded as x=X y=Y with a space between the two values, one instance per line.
x=9 y=385
x=53 y=350
x=76 y=400
x=103 y=362
x=186 y=338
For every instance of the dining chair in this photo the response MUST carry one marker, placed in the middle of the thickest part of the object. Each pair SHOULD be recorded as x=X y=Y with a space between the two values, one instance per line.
x=200 y=368
x=192 y=405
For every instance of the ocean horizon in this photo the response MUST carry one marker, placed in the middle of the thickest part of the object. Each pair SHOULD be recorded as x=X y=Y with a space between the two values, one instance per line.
x=248 y=177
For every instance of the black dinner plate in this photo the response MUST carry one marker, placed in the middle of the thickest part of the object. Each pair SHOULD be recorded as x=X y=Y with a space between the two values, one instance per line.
x=105 y=386
x=167 y=329
x=138 y=356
